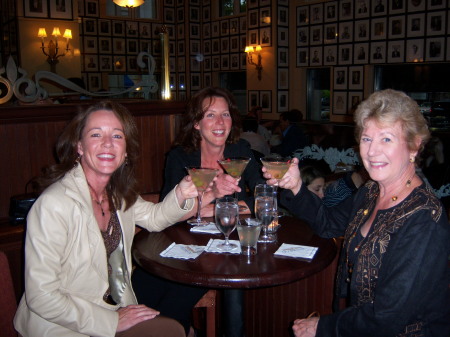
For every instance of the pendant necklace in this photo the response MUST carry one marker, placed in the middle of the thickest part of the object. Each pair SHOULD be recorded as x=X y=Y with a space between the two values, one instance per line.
x=96 y=201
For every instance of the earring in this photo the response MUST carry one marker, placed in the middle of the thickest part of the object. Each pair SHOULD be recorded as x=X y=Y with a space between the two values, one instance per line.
x=77 y=160
x=412 y=159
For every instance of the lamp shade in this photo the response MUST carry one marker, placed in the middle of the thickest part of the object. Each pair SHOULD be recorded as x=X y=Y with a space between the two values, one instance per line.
x=42 y=33
x=128 y=3
x=258 y=48
x=249 y=49
x=56 y=32
x=68 y=34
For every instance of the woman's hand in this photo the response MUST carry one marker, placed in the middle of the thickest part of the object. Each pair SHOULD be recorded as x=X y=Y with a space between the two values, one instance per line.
x=225 y=185
x=134 y=314
x=291 y=179
x=305 y=327
x=186 y=190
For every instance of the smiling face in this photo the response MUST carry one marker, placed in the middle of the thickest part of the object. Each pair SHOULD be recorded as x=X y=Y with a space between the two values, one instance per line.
x=215 y=126
x=385 y=152
x=102 y=145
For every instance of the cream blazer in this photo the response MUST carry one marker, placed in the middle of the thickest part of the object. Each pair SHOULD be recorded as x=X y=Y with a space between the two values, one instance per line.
x=66 y=270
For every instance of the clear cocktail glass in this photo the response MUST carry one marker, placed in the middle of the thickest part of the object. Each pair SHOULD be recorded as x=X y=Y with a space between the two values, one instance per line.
x=227 y=217
x=264 y=211
x=201 y=177
x=235 y=166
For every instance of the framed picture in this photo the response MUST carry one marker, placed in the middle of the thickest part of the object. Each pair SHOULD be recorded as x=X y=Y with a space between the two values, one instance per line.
x=132 y=29
x=207 y=80
x=397 y=27
x=416 y=5
x=378 y=52
x=302 y=57
x=340 y=78
x=194 y=14
x=331 y=10
x=132 y=64
x=265 y=37
x=346 y=32
x=224 y=27
x=345 y=53
x=346 y=10
x=146 y=46
x=264 y=16
x=195 y=64
x=35 y=9
x=330 y=33
x=224 y=45
x=414 y=50
x=316 y=14
x=215 y=30
x=90 y=44
x=234 y=44
x=132 y=46
x=361 y=9
x=396 y=51
x=379 y=7
x=105 y=44
x=356 y=78
x=435 y=49
x=302 y=36
x=207 y=63
x=253 y=37
x=243 y=24
x=91 y=7
x=62 y=9
x=169 y=14
x=119 y=46
x=378 y=29
x=206 y=15
x=234 y=26
x=361 y=30
x=416 y=25
x=90 y=62
x=283 y=16
x=118 y=28
x=104 y=27
x=234 y=61
x=94 y=82
x=243 y=40
x=265 y=100
x=354 y=98
x=105 y=63
x=361 y=53
x=283 y=54
x=243 y=61
x=303 y=15
x=329 y=53
x=195 y=30
x=90 y=26
x=316 y=35
x=206 y=30
x=435 y=23
x=397 y=6
x=144 y=30
x=180 y=15
x=182 y=81
x=181 y=63
x=316 y=56
x=253 y=99
x=225 y=62
x=253 y=18
x=283 y=101
x=181 y=50
x=283 y=78
x=436 y=4
x=252 y=3
x=339 y=103
x=195 y=81
x=283 y=36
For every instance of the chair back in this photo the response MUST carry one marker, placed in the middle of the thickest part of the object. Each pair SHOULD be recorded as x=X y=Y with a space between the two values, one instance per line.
x=8 y=304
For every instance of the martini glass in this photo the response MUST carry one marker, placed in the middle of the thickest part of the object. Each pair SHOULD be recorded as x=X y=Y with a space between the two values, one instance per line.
x=227 y=217
x=235 y=166
x=201 y=177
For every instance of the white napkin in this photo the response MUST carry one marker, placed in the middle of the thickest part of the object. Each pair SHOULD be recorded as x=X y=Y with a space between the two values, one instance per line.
x=303 y=252
x=209 y=229
x=212 y=247
x=185 y=252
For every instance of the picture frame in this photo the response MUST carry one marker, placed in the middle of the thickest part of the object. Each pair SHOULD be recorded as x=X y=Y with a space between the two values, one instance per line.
x=283 y=101
x=361 y=53
x=379 y=7
x=243 y=61
x=195 y=81
x=316 y=35
x=119 y=46
x=234 y=44
x=416 y=25
x=302 y=57
x=206 y=30
x=224 y=27
x=345 y=54
x=144 y=30
x=435 y=23
x=132 y=64
x=356 y=78
x=243 y=39
x=340 y=78
x=234 y=26
x=90 y=44
x=346 y=10
x=132 y=46
x=91 y=8
x=169 y=14
x=194 y=14
x=90 y=62
x=105 y=45
x=302 y=36
x=330 y=33
x=414 y=50
x=119 y=63
x=330 y=55
x=396 y=51
x=354 y=98
x=224 y=45
x=132 y=28
x=283 y=57
x=180 y=15
x=181 y=63
x=397 y=6
x=62 y=9
x=265 y=100
x=215 y=46
x=378 y=52
x=339 y=103
x=194 y=30
x=195 y=64
x=283 y=37
x=94 y=82
x=181 y=81
x=146 y=46
x=89 y=26
x=181 y=49
x=206 y=14
x=265 y=37
x=362 y=9
x=264 y=16
x=283 y=16
x=378 y=29
x=225 y=62
x=253 y=18
x=156 y=48
x=215 y=29
x=435 y=49
x=207 y=80
x=234 y=61
x=253 y=99
x=283 y=78
x=302 y=15
x=397 y=27
x=252 y=3
x=194 y=47
x=35 y=9
x=207 y=63
x=316 y=14
x=316 y=56
x=105 y=63
x=361 y=32
x=243 y=24
x=436 y=4
x=330 y=12
x=118 y=28
x=346 y=32
x=180 y=32
x=104 y=27
x=416 y=6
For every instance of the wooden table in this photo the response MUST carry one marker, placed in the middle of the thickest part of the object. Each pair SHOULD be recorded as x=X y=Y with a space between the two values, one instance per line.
x=224 y=270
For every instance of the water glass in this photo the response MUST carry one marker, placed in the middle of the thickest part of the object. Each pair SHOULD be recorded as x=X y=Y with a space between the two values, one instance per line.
x=248 y=232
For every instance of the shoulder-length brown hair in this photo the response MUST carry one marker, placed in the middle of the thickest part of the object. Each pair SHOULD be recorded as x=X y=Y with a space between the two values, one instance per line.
x=123 y=185
x=189 y=137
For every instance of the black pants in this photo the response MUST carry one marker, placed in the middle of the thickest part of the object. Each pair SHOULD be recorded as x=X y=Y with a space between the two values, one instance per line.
x=171 y=299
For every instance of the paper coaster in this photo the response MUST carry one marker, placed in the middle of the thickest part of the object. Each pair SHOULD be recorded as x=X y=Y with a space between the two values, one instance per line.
x=212 y=247
x=179 y=251
x=298 y=251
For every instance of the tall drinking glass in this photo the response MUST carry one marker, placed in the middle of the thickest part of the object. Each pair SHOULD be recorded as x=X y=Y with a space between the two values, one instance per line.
x=264 y=204
x=235 y=166
x=227 y=217
x=201 y=177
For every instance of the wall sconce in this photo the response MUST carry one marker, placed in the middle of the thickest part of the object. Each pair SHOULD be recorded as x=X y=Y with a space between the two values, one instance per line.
x=53 y=48
x=128 y=3
x=250 y=50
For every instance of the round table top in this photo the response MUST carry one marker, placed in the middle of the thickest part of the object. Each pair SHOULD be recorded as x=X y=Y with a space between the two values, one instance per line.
x=224 y=270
